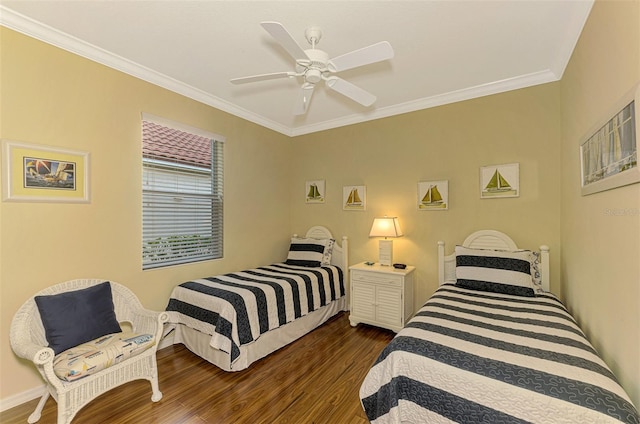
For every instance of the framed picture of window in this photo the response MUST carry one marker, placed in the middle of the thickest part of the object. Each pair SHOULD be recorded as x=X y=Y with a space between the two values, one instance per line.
x=609 y=152
x=500 y=181
x=36 y=173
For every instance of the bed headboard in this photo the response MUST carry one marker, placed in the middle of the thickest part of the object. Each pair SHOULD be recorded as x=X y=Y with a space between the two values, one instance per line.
x=340 y=255
x=486 y=239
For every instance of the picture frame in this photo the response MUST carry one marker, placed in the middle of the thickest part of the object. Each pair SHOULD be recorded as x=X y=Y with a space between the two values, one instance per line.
x=433 y=195
x=314 y=191
x=38 y=173
x=609 y=151
x=498 y=181
x=354 y=198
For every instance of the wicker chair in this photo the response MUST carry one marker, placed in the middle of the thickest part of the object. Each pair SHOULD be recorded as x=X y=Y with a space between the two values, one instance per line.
x=28 y=341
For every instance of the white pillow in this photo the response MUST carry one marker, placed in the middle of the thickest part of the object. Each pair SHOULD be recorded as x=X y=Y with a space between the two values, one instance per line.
x=498 y=271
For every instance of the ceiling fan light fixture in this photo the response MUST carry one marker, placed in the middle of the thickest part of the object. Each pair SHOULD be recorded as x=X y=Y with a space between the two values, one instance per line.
x=313 y=75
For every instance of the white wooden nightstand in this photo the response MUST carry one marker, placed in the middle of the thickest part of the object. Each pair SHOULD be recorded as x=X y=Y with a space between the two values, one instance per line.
x=381 y=295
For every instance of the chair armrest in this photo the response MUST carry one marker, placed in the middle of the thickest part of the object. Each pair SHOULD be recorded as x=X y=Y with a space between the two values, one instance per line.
x=41 y=356
x=44 y=356
x=37 y=354
x=147 y=321
x=22 y=343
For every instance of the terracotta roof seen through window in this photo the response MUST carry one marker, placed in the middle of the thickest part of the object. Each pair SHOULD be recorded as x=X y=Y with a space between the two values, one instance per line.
x=165 y=143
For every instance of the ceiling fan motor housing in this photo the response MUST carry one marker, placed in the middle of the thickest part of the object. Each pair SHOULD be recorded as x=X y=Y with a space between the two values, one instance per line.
x=316 y=67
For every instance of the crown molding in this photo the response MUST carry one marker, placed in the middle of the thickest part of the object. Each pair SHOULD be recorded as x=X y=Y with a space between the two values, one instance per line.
x=523 y=81
x=49 y=35
x=573 y=27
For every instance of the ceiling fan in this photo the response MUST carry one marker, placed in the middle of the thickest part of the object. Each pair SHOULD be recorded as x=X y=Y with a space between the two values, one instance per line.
x=314 y=65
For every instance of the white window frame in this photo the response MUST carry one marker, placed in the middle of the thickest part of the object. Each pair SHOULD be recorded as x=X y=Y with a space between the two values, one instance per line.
x=182 y=205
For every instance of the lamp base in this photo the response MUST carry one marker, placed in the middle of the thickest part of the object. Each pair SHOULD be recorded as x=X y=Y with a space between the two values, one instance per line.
x=385 y=252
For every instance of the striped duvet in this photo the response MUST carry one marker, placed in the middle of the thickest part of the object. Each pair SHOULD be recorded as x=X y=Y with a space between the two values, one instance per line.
x=470 y=356
x=235 y=309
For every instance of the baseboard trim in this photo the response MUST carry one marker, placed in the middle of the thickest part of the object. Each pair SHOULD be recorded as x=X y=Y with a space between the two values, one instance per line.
x=20 y=398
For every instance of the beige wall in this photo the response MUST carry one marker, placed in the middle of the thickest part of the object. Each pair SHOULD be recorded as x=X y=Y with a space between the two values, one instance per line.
x=601 y=232
x=390 y=156
x=53 y=97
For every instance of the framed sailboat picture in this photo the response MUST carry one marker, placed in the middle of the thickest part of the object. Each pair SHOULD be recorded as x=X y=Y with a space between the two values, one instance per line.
x=500 y=181
x=314 y=191
x=37 y=173
x=354 y=198
x=433 y=195
x=609 y=153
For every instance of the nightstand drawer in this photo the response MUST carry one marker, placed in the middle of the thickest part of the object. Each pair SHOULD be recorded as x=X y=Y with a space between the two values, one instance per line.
x=376 y=278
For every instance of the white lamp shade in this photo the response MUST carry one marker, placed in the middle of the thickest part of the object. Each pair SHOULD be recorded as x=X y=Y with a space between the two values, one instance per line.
x=385 y=227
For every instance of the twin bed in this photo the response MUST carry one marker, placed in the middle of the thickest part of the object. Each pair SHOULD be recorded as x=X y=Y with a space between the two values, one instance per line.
x=492 y=345
x=232 y=320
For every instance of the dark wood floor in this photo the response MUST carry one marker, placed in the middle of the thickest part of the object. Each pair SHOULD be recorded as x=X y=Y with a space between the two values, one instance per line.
x=313 y=380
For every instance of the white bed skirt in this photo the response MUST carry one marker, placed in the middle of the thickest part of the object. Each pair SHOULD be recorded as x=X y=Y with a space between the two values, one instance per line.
x=269 y=342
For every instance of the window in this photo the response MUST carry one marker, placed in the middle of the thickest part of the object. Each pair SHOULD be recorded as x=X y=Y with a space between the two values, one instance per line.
x=182 y=205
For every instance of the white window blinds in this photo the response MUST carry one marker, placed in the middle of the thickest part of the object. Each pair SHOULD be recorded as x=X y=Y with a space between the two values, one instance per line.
x=182 y=202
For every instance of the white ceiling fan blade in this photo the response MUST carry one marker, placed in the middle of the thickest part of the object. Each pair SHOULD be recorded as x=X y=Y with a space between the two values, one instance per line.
x=351 y=91
x=285 y=39
x=364 y=56
x=303 y=100
x=262 y=77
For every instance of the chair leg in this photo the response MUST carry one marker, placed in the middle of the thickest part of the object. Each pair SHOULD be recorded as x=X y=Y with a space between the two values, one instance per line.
x=65 y=411
x=157 y=394
x=35 y=415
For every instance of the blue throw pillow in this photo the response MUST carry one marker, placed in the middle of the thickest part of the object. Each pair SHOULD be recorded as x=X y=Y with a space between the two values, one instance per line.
x=75 y=317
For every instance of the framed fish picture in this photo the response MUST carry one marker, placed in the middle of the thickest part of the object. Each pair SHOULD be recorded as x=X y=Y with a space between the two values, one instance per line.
x=354 y=198
x=500 y=181
x=433 y=195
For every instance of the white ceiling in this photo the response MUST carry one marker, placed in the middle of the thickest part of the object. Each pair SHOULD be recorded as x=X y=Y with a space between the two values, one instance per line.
x=445 y=50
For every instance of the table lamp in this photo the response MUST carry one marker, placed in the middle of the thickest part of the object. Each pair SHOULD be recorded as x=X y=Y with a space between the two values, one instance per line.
x=385 y=227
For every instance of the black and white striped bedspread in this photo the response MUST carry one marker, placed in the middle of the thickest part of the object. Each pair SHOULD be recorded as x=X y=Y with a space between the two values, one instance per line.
x=470 y=356
x=237 y=308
